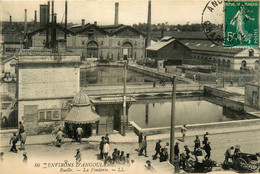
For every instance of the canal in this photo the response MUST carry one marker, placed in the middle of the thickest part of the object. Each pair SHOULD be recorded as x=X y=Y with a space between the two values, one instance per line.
x=157 y=112
x=113 y=75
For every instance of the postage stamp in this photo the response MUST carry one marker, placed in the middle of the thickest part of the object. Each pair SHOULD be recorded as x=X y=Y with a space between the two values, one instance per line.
x=241 y=24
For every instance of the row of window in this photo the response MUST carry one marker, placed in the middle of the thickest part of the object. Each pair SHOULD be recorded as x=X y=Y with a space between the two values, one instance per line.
x=45 y=115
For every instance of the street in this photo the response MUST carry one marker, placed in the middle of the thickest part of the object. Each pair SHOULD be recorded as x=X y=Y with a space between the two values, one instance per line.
x=39 y=154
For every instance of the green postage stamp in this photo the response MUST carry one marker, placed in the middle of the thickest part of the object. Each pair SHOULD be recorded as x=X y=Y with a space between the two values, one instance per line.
x=241 y=24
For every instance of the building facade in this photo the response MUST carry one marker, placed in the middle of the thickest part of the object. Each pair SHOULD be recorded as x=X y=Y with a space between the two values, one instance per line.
x=45 y=83
x=103 y=42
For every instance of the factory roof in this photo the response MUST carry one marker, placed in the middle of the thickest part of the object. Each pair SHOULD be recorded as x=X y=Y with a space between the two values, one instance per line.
x=182 y=34
x=162 y=43
x=45 y=27
x=206 y=45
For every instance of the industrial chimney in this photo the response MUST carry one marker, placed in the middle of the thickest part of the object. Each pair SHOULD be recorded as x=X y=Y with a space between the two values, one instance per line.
x=10 y=20
x=116 y=13
x=35 y=17
x=82 y=23
x=25 y=22
x=43 y=15
x=148 y=41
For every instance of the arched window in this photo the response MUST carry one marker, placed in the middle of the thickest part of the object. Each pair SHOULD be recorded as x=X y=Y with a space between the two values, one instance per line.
x=92 y=49
x=243 y=64
x=219 y=62
x=257 y=64
x=228 y=64
x=224 y=62
x=251 y=53
x=127 y=50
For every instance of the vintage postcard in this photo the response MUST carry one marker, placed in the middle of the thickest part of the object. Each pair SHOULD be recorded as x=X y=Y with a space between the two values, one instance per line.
x=129 y=86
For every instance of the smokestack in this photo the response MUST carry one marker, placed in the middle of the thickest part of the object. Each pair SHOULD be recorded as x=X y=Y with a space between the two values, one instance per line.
x=53 y=34
x=35 y=17
x=66 y=18
x=10 y=20
x=82 y=23
x=148 y=41
x=25 y=22
x=48 y=21
x=52 y=10
x=95 y=23
x=116 y=13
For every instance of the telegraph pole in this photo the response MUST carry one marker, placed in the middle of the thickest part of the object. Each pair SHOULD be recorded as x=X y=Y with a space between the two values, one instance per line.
x=124 y=98
x=172 y=120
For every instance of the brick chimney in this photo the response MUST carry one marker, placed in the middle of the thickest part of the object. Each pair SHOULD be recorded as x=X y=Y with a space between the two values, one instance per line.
x=148 y=41
x=25 y=21
x=82 y=23
x=10 y=19
x=35 y=17
x=116 y=13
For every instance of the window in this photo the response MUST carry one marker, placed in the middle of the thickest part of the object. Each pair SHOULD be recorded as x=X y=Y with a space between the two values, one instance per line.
x=41 y=115
x=49 y=115
x=251 y=53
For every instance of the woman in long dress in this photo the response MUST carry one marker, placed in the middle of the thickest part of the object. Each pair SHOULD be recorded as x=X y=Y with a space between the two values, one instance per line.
x=239 y=21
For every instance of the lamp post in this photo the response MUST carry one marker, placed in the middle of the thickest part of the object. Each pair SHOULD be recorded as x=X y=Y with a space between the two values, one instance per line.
x=124 y=98
x=172 y=120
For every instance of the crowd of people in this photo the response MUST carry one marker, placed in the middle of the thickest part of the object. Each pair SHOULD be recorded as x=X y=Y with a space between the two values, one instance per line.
x=117 y=157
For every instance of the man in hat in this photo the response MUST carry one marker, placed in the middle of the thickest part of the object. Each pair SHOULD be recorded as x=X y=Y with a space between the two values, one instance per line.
x=115 y=156
x=237 y=150
x=144 y=148
x=25 y=157
x=228 y=154
x=79 y=134
x=101 y=147
x=207 y=149
x=176 y=149
x=206 y=138
x=183 y=131
x=78 y=156
x=13 y=140
x=21 y=136
x=157 y=149
x=196 y=143
x=59 y=137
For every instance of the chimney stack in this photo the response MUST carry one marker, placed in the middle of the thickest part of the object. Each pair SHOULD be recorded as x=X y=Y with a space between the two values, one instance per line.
x=148 y=41
x=10 y=19
x=35 y=17
x=82 y=23
x=95 y=23
x=66 y=18
x=116 y=13
x=25 y=22
x=52 y=11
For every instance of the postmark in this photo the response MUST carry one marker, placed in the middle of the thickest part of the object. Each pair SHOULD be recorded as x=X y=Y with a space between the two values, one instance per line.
x=212 y=21
x=231 y=23
x=241 y=25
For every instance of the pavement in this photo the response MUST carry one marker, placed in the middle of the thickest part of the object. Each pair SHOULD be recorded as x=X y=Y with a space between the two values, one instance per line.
x=50 y=157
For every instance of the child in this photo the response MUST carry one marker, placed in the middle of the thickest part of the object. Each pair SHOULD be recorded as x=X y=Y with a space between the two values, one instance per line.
x=78 y=156
x=25 y=157
x=13 y=140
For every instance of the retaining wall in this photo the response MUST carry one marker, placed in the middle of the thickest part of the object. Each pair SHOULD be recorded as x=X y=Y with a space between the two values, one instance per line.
x=200 y=129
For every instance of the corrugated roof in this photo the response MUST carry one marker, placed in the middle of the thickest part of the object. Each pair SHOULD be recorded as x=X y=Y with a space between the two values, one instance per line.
x=206 y=45
x=158 y=45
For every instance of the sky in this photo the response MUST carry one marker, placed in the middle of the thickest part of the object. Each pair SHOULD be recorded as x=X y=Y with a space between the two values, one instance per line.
x=102 y=11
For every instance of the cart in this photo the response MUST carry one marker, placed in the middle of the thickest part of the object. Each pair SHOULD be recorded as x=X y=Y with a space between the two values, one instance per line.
x=200 y=167
x=244 y=162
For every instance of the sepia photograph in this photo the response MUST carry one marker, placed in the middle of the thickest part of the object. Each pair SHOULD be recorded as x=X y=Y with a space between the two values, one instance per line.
x=129 y=86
